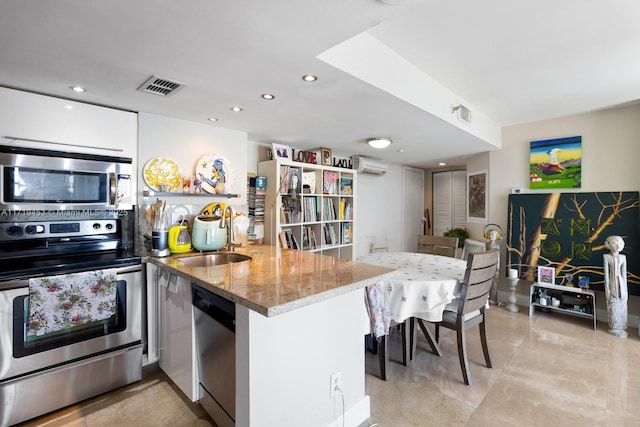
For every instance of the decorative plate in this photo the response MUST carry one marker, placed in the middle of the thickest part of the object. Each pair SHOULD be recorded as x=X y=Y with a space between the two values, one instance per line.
x=215 y=172
x=162 y=170
x=214 y=209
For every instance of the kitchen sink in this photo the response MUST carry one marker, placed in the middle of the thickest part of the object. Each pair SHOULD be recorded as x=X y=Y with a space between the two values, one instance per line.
x=212 y=259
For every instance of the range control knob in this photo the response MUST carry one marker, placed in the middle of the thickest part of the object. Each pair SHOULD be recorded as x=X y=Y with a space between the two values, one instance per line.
x=96 y=225
x=14 y=230
x=31 y=229
x=109 y=226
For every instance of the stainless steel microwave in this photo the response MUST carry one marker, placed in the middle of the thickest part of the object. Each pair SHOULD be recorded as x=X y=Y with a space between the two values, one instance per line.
x=35 y=179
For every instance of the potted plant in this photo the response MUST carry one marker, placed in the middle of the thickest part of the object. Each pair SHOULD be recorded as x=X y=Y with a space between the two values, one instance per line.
x=459 y=232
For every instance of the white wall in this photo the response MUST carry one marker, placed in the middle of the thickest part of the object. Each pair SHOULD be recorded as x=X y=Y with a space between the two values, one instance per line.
x=610 y=153
x=379 y=211
x=185 y=142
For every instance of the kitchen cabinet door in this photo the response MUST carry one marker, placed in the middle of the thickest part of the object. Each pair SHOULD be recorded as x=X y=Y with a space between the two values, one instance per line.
x=177 y=347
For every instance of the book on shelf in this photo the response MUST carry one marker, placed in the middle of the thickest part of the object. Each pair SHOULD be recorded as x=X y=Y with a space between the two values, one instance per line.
x=346 y=186
x=346 y=212
x=330 y=235
x=288 y=239
x=312 y=239
x=347 y=233
x=283 y=240
x=305 y=238
x=328 y=210
x=329 y=182
x=310 y=212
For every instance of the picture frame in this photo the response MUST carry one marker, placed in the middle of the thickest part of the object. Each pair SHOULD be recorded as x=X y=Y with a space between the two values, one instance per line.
x=555 y=163
x=325 y=156
x=477 y=203
x=546 y=275
x=281 y=151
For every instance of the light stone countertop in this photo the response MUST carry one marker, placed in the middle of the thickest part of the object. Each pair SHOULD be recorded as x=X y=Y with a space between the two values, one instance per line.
x=277 y=280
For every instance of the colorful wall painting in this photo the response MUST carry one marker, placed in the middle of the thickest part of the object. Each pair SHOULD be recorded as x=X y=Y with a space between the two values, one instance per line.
x=566 y=231
x=556 y=163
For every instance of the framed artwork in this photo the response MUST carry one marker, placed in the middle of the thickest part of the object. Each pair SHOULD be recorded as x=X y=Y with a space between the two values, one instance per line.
x=547 y=275
x=556 y=163
x=477 y=203
x=281 y=151
x=567 y=231
x=325 y=156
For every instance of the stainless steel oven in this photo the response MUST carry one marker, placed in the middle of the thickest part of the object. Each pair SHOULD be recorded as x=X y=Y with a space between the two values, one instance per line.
x=73 y=356
x=35 y=179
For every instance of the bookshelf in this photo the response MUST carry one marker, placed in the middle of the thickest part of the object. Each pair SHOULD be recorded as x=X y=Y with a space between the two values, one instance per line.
x=309 y=207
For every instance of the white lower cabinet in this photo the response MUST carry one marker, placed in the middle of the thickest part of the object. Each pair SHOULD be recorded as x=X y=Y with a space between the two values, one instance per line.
x=178 y=356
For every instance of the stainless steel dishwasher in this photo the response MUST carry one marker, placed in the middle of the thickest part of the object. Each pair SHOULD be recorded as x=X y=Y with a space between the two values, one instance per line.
x=215 y=331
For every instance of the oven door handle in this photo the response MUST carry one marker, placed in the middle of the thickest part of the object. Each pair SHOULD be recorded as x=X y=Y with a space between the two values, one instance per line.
x=75 y=363
x=18 y=284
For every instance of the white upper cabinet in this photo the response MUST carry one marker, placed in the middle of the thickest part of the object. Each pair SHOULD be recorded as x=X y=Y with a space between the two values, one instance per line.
x=45 y=122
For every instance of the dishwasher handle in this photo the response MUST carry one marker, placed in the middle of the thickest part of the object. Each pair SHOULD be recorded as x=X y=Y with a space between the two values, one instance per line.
x=218 y=308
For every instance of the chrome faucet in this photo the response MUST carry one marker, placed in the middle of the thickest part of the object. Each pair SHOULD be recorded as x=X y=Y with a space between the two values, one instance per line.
x=230 y=244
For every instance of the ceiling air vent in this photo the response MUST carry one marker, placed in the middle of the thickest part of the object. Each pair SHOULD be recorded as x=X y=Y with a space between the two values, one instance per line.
x=462 y=112
x=161 y=86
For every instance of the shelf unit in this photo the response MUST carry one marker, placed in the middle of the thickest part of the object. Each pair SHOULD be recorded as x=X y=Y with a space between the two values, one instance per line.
x=310 y=207
x=181 y=194
x=573 y=301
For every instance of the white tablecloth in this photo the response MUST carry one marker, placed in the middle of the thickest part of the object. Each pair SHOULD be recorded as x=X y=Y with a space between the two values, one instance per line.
x=424 y=285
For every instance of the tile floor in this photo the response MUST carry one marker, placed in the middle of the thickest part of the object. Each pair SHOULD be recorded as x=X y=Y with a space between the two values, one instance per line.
x=551 y=371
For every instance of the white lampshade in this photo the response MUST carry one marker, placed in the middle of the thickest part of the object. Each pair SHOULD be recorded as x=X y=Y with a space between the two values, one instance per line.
x=379 y=142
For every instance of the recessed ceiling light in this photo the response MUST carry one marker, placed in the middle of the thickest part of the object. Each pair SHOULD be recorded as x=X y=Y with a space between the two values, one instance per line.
x=213 y=119
x=268 y=96
x=78 y=89
x=236 y=109
x=401 y=150
x=309 y=78
x=442 y=164
x=379 y=143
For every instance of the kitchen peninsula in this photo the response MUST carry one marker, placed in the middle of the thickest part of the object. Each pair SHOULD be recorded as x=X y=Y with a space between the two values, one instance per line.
x=300 y=317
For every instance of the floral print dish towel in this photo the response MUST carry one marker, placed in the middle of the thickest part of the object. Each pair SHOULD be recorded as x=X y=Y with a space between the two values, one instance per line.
x=378 y=311
x=64 y=301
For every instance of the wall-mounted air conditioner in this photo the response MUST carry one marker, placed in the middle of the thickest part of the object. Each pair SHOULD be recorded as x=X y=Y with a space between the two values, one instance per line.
x=367 y=165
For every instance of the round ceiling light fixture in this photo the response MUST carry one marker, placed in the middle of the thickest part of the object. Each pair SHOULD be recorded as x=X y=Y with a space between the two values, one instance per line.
x=236 y=109
x=77 y=89
x=379 y=143
x=309 y=78
x=268 y=96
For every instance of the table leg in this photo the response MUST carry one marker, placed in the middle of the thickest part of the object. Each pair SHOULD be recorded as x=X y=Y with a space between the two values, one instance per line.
x=435 y=348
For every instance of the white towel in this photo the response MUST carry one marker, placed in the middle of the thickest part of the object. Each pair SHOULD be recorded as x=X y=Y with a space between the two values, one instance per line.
x=64 y=301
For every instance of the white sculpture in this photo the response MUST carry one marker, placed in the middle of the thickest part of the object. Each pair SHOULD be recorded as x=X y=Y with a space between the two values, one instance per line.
x=615 y=286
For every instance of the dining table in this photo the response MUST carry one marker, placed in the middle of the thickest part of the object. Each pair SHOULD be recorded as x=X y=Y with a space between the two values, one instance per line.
x=423 y=286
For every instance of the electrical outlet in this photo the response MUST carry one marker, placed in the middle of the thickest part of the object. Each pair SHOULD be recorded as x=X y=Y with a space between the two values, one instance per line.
x=335 y=382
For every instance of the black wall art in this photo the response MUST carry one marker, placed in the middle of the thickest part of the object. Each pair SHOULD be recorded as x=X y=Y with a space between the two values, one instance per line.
x=567 y=231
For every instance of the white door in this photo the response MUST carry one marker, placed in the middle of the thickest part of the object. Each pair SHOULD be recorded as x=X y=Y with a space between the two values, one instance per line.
x=412 y=207
x=449 y=201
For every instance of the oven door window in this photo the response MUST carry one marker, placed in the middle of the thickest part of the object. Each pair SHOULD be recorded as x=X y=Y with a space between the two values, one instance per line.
x=24 y=344
x=31 y=185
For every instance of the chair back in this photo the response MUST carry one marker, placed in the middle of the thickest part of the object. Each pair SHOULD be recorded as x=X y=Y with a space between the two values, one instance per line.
x=471 y=247
x=438 y=245
x=481 y=269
